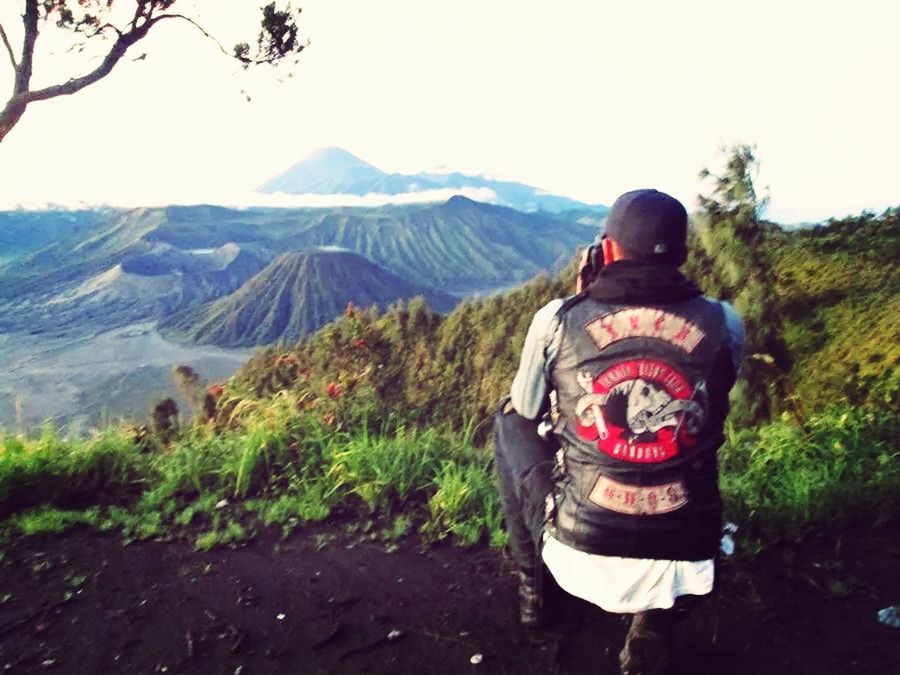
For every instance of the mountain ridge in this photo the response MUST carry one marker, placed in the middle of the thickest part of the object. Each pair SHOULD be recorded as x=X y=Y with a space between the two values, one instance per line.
x=295 y=295
x=459 y=243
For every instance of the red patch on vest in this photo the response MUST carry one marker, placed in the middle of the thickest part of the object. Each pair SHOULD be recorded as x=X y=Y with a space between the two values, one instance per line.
x=638 y=411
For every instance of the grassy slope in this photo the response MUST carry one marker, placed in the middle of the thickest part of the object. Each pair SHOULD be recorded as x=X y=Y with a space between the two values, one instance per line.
x=840 y=291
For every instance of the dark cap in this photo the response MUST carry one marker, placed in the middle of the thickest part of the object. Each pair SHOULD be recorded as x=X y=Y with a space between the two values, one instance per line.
x=649 y=224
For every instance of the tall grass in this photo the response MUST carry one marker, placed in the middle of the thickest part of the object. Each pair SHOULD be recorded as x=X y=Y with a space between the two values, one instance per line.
x=465 y=503
x=390 y=468
x=52 y=469
x=282 y=464
x=838 y=467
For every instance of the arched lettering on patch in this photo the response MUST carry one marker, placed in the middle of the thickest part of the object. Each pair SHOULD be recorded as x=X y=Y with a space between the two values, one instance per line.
x=640 y=411
x=645 y=322
x=638 y=500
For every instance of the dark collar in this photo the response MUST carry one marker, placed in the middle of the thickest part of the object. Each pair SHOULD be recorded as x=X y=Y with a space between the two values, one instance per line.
x=634 y=282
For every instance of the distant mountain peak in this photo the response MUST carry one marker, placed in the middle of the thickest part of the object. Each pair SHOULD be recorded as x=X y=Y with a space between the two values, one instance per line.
x=460 y=199
x=332 y=153
x=334 y=171
x=330 y=170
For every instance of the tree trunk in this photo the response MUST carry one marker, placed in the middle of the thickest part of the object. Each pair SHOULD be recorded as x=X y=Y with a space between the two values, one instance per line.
x=11 y=114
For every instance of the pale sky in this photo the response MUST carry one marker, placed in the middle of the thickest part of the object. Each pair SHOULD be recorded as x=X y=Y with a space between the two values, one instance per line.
x=583 y=98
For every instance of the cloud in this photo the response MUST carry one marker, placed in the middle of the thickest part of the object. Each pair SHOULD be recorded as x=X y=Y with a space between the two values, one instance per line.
x=258 y=199
x=283 y=200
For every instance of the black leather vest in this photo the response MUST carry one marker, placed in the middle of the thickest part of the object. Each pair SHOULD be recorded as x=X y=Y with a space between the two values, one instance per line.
x=641 y=397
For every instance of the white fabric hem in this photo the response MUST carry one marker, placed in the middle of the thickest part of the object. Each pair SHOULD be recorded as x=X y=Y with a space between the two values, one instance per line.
x=626 y=585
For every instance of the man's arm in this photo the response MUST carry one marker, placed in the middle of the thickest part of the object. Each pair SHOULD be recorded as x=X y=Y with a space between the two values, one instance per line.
x=736 y=336
x=529 y=387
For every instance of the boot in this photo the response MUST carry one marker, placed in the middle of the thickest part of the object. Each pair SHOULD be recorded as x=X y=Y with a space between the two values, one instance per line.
x=648 y=645
x=531 y=606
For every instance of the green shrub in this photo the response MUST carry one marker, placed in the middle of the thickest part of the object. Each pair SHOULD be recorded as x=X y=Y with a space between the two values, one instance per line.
x=69 y=471
x=231 y=533
x=465 y=503
x=50 y=520
x=837 y=467
x=387 y=469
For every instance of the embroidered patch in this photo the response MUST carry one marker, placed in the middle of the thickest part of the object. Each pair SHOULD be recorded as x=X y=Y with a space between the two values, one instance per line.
x=638 y=500
x=640 y=410
x=644 y=322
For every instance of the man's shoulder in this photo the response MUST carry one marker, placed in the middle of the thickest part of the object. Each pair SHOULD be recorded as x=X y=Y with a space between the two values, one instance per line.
x=545 y=317
x=548 y=311
x=732 y=319
x=734 y=327
x=731 y=314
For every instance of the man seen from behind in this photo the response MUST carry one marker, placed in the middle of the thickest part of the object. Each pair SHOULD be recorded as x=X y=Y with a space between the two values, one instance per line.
x=628 y=383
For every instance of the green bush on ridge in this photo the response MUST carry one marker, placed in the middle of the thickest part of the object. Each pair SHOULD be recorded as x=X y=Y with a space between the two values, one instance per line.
x=286 y=467
x=52 y=469
x=838 y=467
x=784 y=478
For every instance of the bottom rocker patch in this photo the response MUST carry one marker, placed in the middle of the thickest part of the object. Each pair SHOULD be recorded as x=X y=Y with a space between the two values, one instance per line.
x=638 y=500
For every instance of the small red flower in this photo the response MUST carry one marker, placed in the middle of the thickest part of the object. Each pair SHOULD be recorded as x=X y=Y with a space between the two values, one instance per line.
x=215 y=390
x=359 y=343
x=333 y=389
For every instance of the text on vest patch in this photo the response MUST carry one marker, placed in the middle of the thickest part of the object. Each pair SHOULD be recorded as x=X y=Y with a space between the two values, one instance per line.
x=638 y=500
x=645 y=322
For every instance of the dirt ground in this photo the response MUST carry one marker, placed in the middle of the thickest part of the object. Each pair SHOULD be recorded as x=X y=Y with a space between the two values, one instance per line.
x=329 y=601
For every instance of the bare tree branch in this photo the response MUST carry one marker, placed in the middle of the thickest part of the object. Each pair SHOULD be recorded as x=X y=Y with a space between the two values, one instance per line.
x=198 y=27
x=124 y=41
x=277 y=40
x=98 y=32
x=138 y=13
x=26 y=63
x=15 y=107
x=102 y=28
x=245 y=60
x=9 y=49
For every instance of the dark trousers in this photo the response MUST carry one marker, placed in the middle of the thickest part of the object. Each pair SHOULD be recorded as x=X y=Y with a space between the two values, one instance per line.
x=524 y=462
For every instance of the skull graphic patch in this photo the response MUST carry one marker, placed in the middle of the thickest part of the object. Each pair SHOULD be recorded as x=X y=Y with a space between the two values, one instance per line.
x=641 y=410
